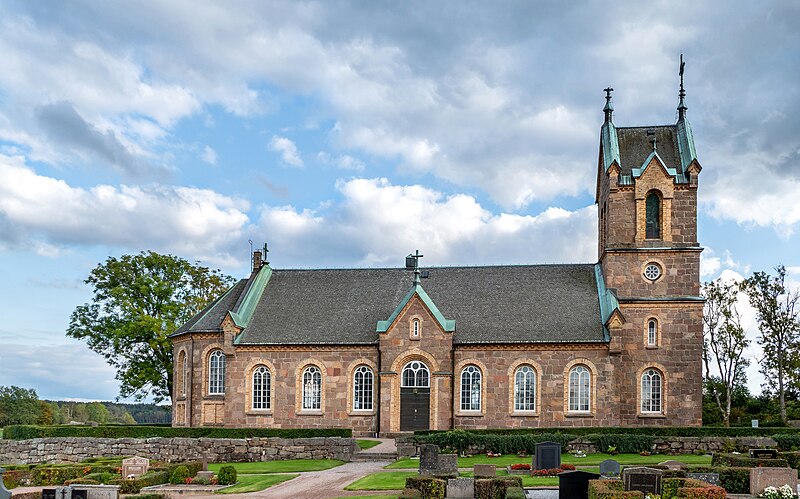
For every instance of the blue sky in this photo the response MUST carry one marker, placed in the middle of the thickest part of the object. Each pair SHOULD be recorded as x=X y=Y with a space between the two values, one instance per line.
x=351 y=133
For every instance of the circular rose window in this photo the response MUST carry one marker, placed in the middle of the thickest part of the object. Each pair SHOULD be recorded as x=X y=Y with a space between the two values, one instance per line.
x=652 y=271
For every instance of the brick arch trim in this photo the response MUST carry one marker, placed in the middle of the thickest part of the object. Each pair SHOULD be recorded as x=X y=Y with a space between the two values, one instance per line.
x=248 y=390
x=592 y=385
x=512 y=370
x=363 y=361
x=664 y=389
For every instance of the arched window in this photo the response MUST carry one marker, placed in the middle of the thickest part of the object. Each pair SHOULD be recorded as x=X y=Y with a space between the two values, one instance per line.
x=312 y=388
x=416 y=375
x=653 y=216
x=415 y=328
x=262 y=384
x=652 y=332
x=181 y=372
x=525 y=389
x=216 y=373
x=362 y=389
x=651 y=391
x=471 y=389
x=579 y=388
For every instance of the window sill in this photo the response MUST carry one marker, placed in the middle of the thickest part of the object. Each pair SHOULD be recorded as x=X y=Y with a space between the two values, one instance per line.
x=357 y=412
x=259 y=412
x=579 y=415
x=654 y=415
x=469 y=414
x=524 y=414
x=214 y=396
x=651 y=347
x=310 y=412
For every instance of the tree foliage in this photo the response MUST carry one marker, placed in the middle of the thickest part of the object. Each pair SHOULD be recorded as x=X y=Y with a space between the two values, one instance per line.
x=18 y=406
x=139 y=300
x=724 y=342
x=777 y=310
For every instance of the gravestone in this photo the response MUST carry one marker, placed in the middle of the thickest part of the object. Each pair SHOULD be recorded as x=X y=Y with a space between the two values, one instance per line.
x=96 y=491
x=135 y=466
x=609 y=468
x=460 y=488
x=80 y=493
x=575 y=484
x=447 y=466
x=48 y=493
x=712 y=478
x=484 y=471
x=761 y=478
x=673 y=465
x=548 y=456
x=4 y=492
x=647 y=480
x=763 y=453
x=428 y=459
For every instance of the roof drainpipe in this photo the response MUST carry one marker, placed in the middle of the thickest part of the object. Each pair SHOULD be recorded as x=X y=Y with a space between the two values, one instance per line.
x=378 y=393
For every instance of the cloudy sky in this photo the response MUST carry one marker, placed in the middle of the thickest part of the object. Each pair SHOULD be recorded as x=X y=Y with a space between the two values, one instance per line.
x=349 y=134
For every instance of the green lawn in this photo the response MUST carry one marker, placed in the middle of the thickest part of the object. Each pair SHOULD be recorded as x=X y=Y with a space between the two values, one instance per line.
x=589 y=460
x=367 y=444
x=384 y=480
x=287 y=466
x=255 y=483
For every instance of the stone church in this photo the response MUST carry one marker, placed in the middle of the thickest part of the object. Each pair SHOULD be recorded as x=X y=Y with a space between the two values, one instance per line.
x=388 y=350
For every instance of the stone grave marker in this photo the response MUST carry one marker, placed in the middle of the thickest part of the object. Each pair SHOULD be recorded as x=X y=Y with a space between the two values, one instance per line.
x=428 y=459
x=485 y=471
x=447 y=466
x=609 y=468
x=80 y=493
x=4 y=492
x=673 y=465
x=48 y=493
x=763 y=453
x=575 y=484
x=761 y=478
x=712 y=478
x=460 y=488
x=647 y=480
x=135 y=466
x=548 y=456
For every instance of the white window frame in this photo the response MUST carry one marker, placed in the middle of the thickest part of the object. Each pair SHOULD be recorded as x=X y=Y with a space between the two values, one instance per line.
x=420 y=375
x=262 y=388
x=471 y=389
x=652 y=390
x=580 y=389
x=363 y=389
x=312 y=388
x=216 y=373
x=525 y=393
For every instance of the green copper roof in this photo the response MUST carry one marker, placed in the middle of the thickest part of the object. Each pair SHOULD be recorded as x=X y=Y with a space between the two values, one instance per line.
x=446 y=324
x=241 y=317
x=637 y=172
x=686 y=144
x=610 y=145
x=608 y=301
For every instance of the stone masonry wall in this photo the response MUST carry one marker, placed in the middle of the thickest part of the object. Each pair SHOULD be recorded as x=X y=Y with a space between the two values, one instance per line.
x=75 y=449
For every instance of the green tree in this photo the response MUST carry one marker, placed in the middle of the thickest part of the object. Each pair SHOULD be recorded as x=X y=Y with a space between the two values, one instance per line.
x=724 y=341
x=55 y=410
x=97 y=412
x=128 y=419
x=18 y=406
x=139 y=300
x=777 y=310
x=45 y=414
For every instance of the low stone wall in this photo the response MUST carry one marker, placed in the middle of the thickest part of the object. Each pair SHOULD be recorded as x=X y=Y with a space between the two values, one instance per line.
x=75 y=449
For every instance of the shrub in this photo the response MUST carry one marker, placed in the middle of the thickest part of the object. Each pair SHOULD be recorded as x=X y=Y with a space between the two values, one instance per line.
x=25 y=432
x=15 y=478
x=787 y=442
x=429 y=488
x=493 y=442
x=179 y=475
x=521 y=466
x=611 y=489
x=495 y=488
x=515 y=493
x=709 y=492
x=410 y=494
x=793 y=458
x=28 y=495
x=664 y=431
x=226 y=475
x=152 y=477
x=550 y=472
x=739 y=460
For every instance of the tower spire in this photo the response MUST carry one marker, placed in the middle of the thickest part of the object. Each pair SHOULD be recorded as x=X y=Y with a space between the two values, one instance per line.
x=609 y=108
x=681 y=94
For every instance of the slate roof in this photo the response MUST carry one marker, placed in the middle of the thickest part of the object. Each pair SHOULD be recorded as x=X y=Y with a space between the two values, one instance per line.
x=210 y=318
x=493 y=304
x=635 y=146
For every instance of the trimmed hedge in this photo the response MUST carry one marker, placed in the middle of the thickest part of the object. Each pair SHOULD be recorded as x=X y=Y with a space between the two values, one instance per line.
x=26 y=432
x=147 y=480
x=625 y=443
x=787 y=442
x=740 y=460
x=656 y=431
x=734 y=480
x=496 y=488
x=515 y=493
x=611 y=489
x=674 y=488
x=793 y=458
x=461 y=440
x=429 y=488
x=226 y=475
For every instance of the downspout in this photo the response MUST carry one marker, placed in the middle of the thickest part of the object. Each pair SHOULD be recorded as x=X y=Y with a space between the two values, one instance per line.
x=453 y=388
x=378 y=412
x=190 y=394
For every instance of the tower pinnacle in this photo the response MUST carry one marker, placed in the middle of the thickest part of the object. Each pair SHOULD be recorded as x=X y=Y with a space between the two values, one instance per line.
x=681 y=94
x=609 y=108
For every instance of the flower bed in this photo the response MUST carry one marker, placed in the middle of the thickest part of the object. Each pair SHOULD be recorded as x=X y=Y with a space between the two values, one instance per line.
x=519 y=469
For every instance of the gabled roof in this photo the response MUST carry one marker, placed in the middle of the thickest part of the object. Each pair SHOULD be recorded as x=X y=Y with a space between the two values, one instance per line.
x=447 y=325
x=210 y=318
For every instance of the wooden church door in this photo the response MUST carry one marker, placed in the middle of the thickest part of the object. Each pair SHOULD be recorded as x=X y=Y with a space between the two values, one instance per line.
x=415 y=396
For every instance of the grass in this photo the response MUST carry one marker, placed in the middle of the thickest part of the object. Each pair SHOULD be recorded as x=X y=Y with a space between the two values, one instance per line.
x=255 y=483
x=364 y=444
x=379 y=496
x=287 y=466
x=589 y=460
x=383 y=480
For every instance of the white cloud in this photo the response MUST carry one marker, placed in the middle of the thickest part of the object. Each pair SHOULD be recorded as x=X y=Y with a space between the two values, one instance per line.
x=343 y=162
x=209 y=156
x=288 y=150
x=52 y=213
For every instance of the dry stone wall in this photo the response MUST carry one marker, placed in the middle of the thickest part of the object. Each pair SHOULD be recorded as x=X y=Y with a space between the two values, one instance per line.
x=75 y=449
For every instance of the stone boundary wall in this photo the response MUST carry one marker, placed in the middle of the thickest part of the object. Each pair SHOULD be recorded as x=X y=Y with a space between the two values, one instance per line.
x=407 y=446
x=75 y=449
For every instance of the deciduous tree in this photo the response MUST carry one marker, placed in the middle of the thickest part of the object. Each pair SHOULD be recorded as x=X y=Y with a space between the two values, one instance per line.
x=139 y=300
x=18 y=406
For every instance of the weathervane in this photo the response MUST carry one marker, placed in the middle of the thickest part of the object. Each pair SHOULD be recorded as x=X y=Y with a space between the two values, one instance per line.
x=412 y=263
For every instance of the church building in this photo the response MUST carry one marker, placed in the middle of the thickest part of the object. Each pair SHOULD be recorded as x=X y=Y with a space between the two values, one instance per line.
x=389 y=350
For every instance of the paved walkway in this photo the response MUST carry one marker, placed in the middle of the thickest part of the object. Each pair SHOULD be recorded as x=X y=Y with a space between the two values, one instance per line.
x=386 y=446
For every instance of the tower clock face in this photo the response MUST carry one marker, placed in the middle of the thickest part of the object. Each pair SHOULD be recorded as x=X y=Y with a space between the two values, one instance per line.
x=652 y=271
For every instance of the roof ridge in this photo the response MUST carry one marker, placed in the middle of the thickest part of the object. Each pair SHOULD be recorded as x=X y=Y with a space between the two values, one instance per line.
x=509 y=265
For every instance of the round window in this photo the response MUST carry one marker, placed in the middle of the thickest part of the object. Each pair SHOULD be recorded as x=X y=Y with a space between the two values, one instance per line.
x=652 y=271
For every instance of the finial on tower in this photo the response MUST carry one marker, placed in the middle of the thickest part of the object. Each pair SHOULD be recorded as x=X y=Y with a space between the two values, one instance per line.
x=412 y=263
x=609 y=108
x=681 y=94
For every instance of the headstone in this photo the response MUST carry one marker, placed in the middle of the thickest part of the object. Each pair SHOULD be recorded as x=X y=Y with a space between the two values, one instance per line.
x=4 y=492
x=461 y=488
x=575 y=484
x=754 y=423
x=484 y=471
x=48 y=493
x=428 y=459
x=207 y=475
x=763 y=453
x=96 y=491
x=548 y=456
x=63 y=492
x=761 y=478
x=609 y=468
x=712 y=478
x=80 y=493
x=647 y=480
x=673 y=465
x=447 y=466
x=135 y=466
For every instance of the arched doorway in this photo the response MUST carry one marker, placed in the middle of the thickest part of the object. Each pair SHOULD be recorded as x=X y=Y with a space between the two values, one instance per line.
x=415 y=397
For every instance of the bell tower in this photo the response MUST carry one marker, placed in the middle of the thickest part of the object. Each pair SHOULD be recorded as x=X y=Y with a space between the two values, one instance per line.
x=647 y=180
